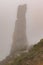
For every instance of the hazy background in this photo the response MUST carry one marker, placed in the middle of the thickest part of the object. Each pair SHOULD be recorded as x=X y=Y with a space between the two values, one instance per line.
x=8 y=13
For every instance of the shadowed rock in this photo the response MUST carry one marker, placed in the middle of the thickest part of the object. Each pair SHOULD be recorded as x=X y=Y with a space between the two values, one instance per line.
x=19 y=35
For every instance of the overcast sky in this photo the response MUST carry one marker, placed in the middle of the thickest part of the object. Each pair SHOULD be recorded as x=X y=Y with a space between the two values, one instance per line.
x=8 y=13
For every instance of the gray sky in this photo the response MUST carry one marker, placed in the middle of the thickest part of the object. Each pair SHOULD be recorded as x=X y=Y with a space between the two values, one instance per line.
x=8 y=12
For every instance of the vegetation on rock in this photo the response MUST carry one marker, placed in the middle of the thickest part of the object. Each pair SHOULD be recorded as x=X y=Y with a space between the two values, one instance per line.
x=33 y=57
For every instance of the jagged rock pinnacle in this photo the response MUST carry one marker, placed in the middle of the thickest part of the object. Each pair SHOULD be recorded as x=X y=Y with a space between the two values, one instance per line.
x=19 y=35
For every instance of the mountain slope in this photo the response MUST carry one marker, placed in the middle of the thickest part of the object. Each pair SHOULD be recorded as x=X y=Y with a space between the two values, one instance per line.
x=33 y=57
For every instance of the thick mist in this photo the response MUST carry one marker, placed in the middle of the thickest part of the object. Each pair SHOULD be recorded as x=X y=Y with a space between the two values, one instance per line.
x=8 y=13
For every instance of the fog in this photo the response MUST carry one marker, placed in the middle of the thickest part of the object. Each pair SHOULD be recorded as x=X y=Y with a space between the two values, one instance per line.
x=8 y=13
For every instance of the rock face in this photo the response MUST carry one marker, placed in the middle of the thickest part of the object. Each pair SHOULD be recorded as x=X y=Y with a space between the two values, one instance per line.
x=19 y=36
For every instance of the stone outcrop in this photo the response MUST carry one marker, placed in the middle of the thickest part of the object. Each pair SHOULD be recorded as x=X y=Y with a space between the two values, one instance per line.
x=19 y=35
